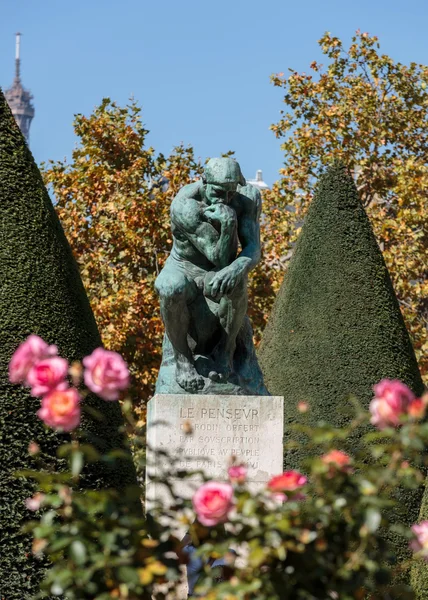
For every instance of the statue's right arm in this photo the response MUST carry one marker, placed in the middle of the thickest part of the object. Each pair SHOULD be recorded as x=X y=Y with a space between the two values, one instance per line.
x=188 y=218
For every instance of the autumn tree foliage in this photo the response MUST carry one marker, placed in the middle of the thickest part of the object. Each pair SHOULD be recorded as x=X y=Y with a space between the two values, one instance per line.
x=371 y=113
x=361 y=107
x=113 y=203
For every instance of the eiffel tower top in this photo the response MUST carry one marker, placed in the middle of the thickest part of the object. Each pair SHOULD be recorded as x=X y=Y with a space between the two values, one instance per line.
x=18 y=98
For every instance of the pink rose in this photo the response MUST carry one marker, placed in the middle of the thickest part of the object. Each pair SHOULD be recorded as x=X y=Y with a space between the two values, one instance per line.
x=417 y=408
x=61 y=409
x=106 y=373
x=303 y=406
x=33 y=448
x=47 y=374
x=28 y=353
x=289 y=481
x=212 y=502
x=35 y=502
x=336 y=458
x=420 y=543
x=391 y=401
x=237 y=473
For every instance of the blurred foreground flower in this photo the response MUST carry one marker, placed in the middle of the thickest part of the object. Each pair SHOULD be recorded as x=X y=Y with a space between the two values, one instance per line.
x=35 y=502
x=391 y=401
x=36 y=364
x=237 y=473
x=212 y=502
x=61 y=409
x=33 y=448
x=47 y=374
x=417 y=407
x=26 y=355
x=420 y=543
x=289 y=481
x=337 y=461
x=106 y=373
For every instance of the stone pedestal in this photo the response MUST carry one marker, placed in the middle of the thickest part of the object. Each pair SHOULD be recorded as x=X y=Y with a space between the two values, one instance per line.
x=205 y=431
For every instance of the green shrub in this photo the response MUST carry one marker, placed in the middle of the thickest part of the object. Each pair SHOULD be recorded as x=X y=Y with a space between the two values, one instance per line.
x=41 y=292
x=336 y=326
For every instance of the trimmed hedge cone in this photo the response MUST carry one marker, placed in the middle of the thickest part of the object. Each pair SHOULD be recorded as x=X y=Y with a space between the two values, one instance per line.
x=336 y=328
x=41 y=292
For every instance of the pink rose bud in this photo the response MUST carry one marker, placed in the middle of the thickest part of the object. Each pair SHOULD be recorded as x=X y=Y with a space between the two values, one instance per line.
x=65 y=493
x=26 y=355
x=61 y=409
x=39 y=544
x=47 y=374
x=391 y=401
x=35 y=502
x=336 y=458
x=237 y=473
x=212 y=502
x=420 y=543
x=303 y=406
x=106 y=373
x=417 y=408
x=289 y=481
x=33 y=448
x=187 y=427
x=76 y=373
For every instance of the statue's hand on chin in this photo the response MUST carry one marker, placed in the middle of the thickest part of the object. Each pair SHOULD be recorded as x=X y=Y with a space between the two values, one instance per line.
x=220 y=213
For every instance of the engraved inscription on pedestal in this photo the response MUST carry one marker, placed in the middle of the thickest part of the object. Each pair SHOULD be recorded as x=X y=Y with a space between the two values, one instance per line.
x=217 y=434
x=248 y=427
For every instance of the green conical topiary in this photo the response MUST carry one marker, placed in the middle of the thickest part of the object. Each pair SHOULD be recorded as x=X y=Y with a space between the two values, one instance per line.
x=336 y=328
x=40 y=292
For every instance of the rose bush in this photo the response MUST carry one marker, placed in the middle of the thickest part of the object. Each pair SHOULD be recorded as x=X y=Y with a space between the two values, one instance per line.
x=37 y=365
x=99 y=542
x=327 y=543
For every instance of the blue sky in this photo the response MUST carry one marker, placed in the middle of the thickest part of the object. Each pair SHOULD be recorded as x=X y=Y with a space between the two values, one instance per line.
x=199 y=69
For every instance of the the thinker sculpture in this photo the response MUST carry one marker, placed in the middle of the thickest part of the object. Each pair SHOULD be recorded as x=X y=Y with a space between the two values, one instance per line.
x=208 y=346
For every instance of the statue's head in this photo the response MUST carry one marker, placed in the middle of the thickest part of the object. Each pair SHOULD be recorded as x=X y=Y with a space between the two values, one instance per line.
x=221 y=178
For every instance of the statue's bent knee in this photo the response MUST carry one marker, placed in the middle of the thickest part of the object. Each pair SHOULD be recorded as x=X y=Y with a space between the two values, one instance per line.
x=172 y=289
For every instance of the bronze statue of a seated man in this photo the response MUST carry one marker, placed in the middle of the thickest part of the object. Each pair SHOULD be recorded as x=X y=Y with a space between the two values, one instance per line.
x=208 y=344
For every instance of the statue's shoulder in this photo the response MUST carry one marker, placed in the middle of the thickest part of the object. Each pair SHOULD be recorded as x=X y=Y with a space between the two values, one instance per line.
x=184 y=212
x=250 y=198
x=187 y=192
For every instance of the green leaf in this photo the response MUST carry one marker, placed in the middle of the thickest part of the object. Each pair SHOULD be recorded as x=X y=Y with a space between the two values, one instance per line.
x=373 y=519
x=76 y=463
x=78 y=552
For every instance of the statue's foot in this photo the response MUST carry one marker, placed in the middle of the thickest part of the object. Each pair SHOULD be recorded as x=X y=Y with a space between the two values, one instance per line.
x=214 y=376
x=219 y=376
x=188 y=378
x=221 y=368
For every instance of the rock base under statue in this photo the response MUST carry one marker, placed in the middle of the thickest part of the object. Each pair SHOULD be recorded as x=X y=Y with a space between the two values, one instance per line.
x=246 y=378
x=204 y=431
